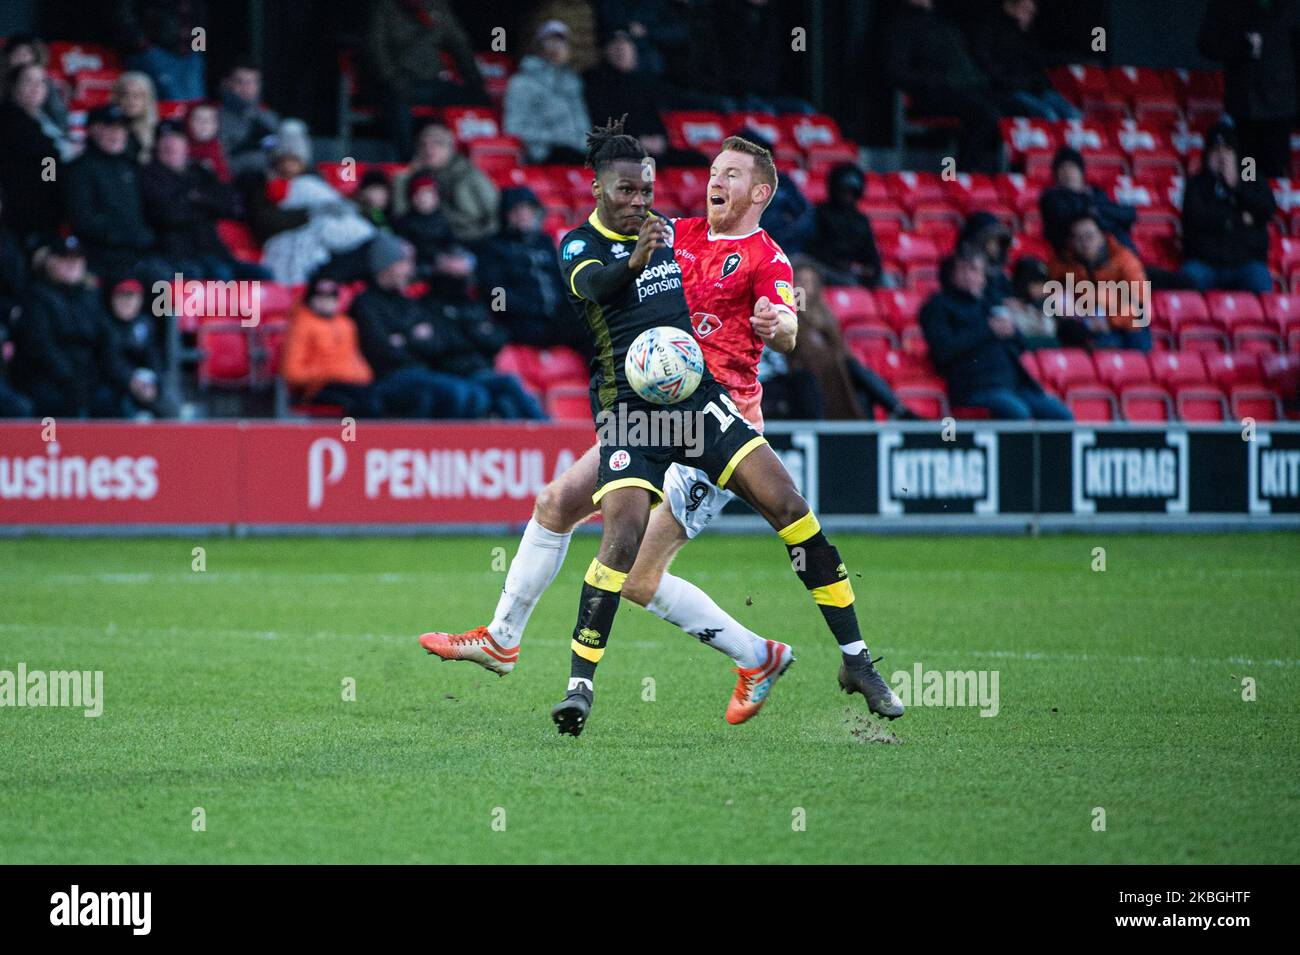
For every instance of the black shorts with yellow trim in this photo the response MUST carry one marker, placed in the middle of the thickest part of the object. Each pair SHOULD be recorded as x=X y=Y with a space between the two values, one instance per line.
x=716 y=441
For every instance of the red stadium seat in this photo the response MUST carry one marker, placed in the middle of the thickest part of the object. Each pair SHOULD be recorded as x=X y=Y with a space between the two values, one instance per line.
x=1175 y=369
x=1023 y=136
x=238 y=238
x=524 y=362
x=971 y=191
x=1150 y=94
x=1092 y=403
x=1200 y=404
x=1282 y=309
x=496 y=70
x=225 y=360
x=1232 y=308
x=69 y=59
x=569 y=403
x=1228 y=371
x=1201 y=337
x=900 y=308
x=910 y=189
x=926 y=399
x=1173 y=309
x=851 y=304
x=1062 y=368
x=699 y=130
x=1119 y=367
x=1146 y=403
x=1255 y=401
x=870 y=341
x=898 y=367
x=1029 y=361
x=561 y=364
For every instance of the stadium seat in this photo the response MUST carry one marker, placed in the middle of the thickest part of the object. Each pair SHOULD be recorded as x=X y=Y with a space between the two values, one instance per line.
x=1119 y=367
x=926 y=399
x=1150 y=94
x=1091 y=403
x=909 y=189
x=1063 y=368
x=1200 y=404
x=1254 y=401
x=1282 y=309
x=1201 y=337
x=899 y=307
x=569 y=403
x=851 y=304
x=1029 y=361
x=496 y=70
x=559 y=364
x=224 y=355
x=1231 y=370
x=1145 y=403
x=870 y=341
x=524 y=362
x=1174 y=369
x=898 y=367
x=697 y=130
x=238 y=238
x=1232 y=308
x=1176 y=308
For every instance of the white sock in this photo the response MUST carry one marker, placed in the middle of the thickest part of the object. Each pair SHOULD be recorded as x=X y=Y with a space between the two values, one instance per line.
x=535 y=564
x=684 y=605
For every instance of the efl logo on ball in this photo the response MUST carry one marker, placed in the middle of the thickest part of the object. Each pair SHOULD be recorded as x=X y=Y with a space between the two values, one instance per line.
x=664 y=365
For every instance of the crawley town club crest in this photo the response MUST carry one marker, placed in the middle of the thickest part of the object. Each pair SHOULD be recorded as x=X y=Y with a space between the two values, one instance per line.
x=730 y=264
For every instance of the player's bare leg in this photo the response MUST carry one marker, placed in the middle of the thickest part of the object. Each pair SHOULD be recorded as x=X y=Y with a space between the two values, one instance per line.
x=626 y=511
x=560 y=507
x=762 y=481
x=759 y=663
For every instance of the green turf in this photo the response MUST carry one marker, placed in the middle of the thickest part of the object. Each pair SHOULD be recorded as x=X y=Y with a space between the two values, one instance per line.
x=1119 y=690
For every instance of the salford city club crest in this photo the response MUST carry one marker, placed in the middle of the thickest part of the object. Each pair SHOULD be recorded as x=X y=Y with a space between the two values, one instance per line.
x=730 y=264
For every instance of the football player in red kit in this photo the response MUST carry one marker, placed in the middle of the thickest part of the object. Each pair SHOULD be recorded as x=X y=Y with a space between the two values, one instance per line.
x=739 y=288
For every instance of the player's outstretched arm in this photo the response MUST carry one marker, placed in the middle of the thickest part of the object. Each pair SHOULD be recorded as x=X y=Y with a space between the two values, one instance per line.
x=778 y=327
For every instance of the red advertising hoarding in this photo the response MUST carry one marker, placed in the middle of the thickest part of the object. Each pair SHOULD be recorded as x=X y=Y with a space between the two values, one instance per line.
x=265 y=473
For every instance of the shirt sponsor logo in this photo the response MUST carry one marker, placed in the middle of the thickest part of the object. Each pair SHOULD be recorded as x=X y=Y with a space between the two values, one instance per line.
x=663 y=277
x=705 y=324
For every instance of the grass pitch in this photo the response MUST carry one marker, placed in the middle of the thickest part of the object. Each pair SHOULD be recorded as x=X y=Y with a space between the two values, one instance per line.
x=223 y=691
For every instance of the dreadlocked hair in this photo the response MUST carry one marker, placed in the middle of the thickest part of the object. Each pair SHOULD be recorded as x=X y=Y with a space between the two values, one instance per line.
x=607 y=144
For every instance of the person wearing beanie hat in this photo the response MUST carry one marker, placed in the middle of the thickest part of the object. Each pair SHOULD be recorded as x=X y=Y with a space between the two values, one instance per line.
x=1225 y=220
x=1028 y=304
x=842 y=240
x=374 y=197
x=987 y=232
x=425 y=226
x=1070 y=196
x=521 y=260
x=544 y=105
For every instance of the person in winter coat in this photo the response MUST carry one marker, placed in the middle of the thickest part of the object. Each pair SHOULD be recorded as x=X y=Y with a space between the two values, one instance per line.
x=1255 y=42
x=135 y=336
x=106 y=204
x=469 y=199
x=65 y=356
x=1115 y=315
x=521 y=262
x=544 y=105
x=322 y=355
x=1070 y=196
x=842 y=240
x=32 y=139
x=182 y=202
x=1225 y=221
x=977 y=350
x=1005 y=50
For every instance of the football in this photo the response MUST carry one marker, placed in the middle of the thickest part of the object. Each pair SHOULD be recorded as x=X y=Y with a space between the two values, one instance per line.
x=664 y=365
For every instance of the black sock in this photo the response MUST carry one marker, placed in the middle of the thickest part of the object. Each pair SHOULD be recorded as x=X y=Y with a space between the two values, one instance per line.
x=817 y=563
x=596 y=610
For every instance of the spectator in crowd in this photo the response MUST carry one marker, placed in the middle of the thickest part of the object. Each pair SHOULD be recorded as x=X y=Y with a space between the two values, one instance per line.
x=13 y=270
x=790 y=219
x=977 y=348
x=106 y=206
x=926 y=57
x=760 y=39
x=617 y=87
x=842 y=240
x=135 y=336
x=32 y=147
x=65 y=357
x=323 y=361
x=1028 y=305
x=469 y=199
x=203 y=125
x=401 y=334
x=849 y=390
x=424 y=226
x=1070 y=196
x=404 y=45
x=544 y=105
x=789 y=393
x=244 y=123
x=133 y=93
x=1225 y=221
x=373 y=197
x=1007 y=52
x=1255 y=42
x=329 y=225
x=519 y=263
x=658 y=30
x=987 y=233
x=1110 y=288
x=159 y=39
x=13 y=403
x=25 y=49
x=183 y=202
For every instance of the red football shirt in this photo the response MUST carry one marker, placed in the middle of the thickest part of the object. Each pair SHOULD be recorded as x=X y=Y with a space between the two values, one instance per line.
x=723 y=276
